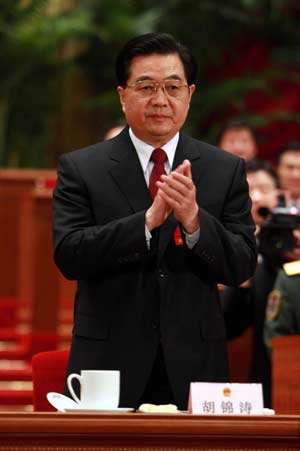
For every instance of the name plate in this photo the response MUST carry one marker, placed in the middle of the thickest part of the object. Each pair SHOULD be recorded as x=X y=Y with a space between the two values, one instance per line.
x=207 y=398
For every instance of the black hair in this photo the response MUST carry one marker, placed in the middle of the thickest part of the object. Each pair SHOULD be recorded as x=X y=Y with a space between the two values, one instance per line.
x=236 y=124
x=291 y=146
x=148 y=44
x=256 y=164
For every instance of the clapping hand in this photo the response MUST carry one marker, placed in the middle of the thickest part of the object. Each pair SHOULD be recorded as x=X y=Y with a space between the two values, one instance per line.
x=178 y=191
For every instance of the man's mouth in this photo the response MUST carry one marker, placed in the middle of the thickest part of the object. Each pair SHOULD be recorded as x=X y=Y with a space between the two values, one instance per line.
x=158 y=116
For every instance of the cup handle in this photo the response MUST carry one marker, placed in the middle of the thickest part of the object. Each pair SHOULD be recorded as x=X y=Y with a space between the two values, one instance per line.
x=70 y=386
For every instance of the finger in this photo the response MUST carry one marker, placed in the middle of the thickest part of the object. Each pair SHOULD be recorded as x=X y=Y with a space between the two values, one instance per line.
x=179 y=169
x=159 y=206
x=184 y=168
x=158 y=201
x=183 y=179
x=172 y=202
x=163 y=205
x=173 y=181
x=172 y=187
x=187 y=168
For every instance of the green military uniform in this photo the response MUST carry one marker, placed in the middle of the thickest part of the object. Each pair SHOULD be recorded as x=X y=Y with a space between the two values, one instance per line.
x=283 y=306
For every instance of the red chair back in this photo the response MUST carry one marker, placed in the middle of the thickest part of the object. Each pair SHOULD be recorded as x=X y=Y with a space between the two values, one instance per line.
x=48 y=374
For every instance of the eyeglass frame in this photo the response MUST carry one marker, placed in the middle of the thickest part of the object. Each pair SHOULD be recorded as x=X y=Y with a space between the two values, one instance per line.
x=157 y=85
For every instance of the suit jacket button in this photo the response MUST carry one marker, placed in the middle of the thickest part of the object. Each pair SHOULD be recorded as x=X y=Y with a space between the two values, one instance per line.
x=161 y=273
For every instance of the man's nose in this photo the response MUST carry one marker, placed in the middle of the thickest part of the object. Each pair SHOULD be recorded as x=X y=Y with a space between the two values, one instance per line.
x=159 y=96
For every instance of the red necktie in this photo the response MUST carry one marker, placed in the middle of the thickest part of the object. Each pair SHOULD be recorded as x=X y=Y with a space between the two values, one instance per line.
x=159 y=157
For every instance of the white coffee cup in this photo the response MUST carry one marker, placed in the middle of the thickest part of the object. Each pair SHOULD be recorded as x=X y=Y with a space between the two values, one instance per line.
x=99 y=389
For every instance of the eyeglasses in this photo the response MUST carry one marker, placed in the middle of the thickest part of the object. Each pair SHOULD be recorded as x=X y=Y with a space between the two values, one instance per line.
x=171 y=88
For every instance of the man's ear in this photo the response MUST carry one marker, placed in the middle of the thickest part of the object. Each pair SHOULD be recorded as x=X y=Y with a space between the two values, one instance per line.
x=121 y=92
x=192 y=90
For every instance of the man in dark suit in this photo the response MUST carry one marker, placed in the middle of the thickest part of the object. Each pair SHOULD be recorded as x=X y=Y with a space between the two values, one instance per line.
x=147 y=266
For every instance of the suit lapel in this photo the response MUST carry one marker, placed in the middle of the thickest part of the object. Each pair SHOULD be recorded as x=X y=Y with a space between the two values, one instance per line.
x=128 y=174
x=186 y=149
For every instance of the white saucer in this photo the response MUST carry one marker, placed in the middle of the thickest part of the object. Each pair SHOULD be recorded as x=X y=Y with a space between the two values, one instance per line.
x=62 y=402
x=118 y=410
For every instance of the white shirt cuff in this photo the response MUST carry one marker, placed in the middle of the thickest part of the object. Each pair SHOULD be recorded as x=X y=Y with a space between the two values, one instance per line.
x=191 y=238
x=148 y=236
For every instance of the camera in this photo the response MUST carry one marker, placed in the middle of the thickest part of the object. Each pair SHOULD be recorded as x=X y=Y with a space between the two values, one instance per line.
x=276 y=236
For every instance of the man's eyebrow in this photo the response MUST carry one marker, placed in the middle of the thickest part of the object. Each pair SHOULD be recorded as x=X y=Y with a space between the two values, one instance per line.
x=148 y=77
x=173 y=77
x=145 y=77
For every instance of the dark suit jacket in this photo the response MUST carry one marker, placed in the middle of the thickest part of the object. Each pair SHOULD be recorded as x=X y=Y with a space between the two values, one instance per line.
x=129 y=298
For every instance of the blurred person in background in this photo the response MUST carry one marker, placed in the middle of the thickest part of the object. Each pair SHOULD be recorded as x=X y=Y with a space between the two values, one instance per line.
x=238 y=137
x=288 y=169
x=283 y=307
x=263 y=188
x=245 y=306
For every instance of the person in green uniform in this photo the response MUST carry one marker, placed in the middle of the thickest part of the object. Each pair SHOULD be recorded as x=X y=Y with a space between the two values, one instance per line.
x=283 y=306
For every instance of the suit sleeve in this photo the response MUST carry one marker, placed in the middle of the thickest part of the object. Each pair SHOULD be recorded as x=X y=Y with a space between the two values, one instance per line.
x=227 y=245
x=82 y=248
